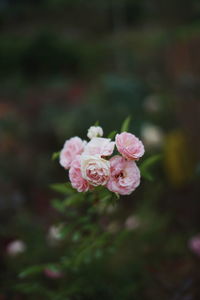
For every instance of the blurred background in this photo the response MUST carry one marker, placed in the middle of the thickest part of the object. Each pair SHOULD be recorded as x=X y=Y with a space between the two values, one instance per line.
x=64 y=64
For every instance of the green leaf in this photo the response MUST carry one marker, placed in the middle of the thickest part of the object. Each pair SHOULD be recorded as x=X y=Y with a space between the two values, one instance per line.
x=55 y=155
x=112 y=134
x=31 y=271
x=148 y=164
x=74 y=199
x=53 y=267
x=64 y=231
x=28 y=287
x=58 y=205
x=106 y=198
x=63 y=188
x=96 y=123
x=126 y=123
x=84 y=219
x=117 y=195
x=76 y=236
x=98 y=253
x=71 y=200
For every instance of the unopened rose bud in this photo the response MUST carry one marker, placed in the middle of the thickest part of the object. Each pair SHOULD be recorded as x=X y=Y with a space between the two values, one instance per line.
x=95 y=131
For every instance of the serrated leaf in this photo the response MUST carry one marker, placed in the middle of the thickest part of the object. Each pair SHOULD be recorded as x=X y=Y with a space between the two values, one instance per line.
x=63 y=188
x=125 y=125
x=112 y=134
x=55 y=155
x=148 y=164
x=31 y=271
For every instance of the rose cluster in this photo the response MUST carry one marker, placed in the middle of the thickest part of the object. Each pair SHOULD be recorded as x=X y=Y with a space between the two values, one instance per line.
x=90 y=165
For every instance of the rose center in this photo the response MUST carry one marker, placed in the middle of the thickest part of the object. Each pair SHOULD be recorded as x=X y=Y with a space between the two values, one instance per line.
x=121 y=174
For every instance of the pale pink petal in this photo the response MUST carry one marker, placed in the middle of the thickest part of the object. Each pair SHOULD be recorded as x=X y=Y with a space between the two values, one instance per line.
x=125 y=176
x=129 y=146
x=99 y=146
x=75 y=176
x=95 y=169
x=72 y=147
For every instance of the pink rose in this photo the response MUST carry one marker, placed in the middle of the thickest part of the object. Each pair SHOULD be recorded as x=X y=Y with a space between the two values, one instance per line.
x=194 y=244
x=72 y=147
x=95 y=169
x=125 y=176
x=99 y=146
x=75 y=176
x=129 y=145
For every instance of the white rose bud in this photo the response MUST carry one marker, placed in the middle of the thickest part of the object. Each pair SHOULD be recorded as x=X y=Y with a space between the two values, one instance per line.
x=16 y=247
x=95 y=131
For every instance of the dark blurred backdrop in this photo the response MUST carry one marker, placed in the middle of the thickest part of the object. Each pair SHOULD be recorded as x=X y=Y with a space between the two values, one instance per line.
x=64 y=64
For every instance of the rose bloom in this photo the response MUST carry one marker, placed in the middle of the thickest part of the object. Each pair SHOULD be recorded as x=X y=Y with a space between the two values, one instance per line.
x=95 y=169
x=125 y=176
x=94 y=131
x=129 y=145
x=75 y=176
x=99 y=146
x=71 y=149
x=194 y=244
